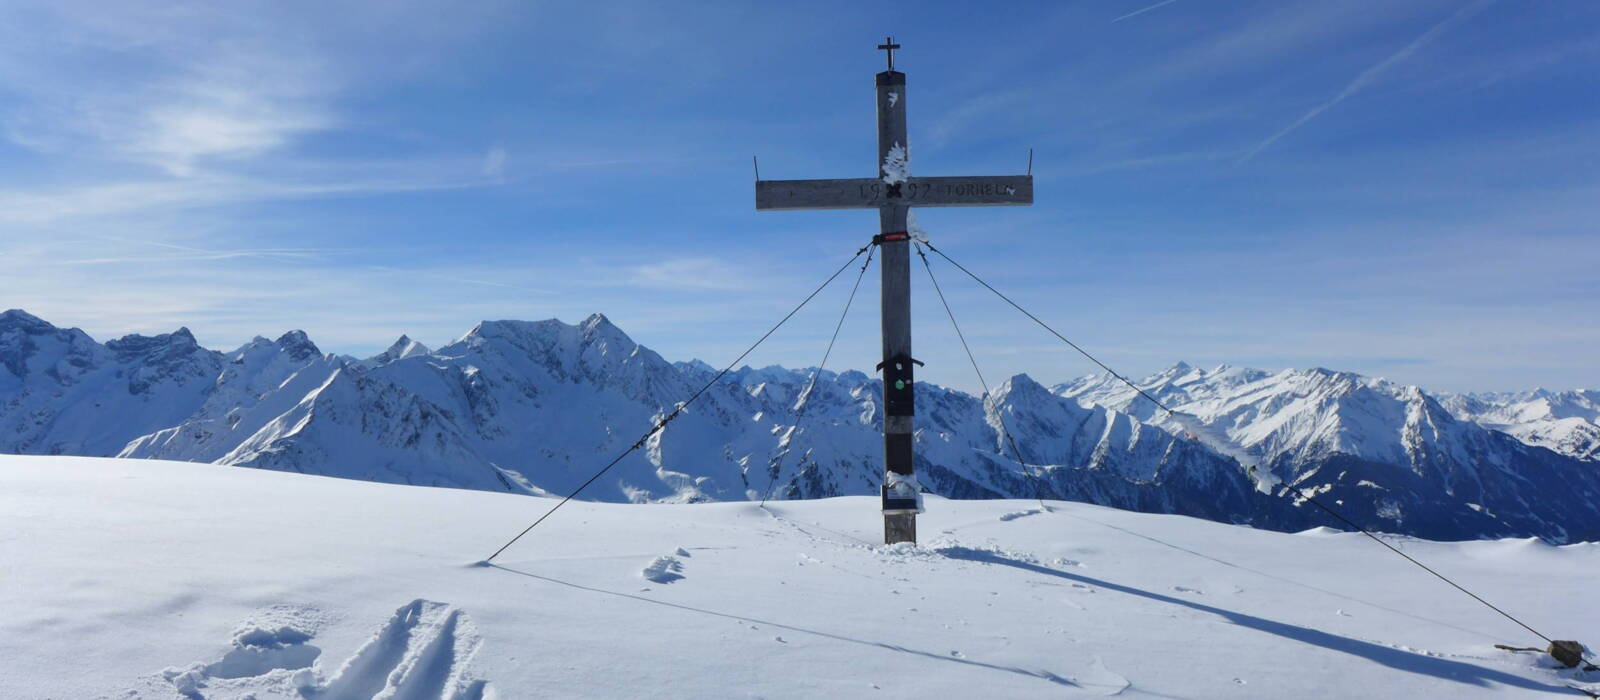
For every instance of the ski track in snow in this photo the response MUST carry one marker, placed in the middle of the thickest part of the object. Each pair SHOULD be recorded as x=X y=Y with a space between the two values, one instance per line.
x=421 y=653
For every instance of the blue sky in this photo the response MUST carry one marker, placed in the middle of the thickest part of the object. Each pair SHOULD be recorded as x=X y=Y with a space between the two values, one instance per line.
x=1404 y=189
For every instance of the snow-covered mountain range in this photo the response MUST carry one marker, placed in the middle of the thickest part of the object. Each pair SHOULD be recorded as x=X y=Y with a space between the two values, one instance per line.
x=1390 y=455
x=1567 y=421
x=536 y=407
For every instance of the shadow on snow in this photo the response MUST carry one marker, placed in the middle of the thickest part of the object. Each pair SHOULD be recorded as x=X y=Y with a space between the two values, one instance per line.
x=1393 y=658
x=1044 y=675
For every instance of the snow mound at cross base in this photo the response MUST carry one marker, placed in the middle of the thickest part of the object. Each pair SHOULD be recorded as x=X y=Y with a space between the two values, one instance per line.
x=147 y=579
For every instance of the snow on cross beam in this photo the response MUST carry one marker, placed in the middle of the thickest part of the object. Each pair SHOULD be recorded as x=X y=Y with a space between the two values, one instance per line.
x=873 y=193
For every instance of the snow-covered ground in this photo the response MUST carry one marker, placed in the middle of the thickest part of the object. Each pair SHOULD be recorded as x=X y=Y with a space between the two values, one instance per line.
x=151 y=579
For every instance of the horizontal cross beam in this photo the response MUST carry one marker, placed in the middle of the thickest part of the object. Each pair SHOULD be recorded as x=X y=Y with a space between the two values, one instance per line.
x=873 y=193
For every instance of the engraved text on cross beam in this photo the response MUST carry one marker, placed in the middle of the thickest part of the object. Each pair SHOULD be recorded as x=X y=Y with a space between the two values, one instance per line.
x=871 y=193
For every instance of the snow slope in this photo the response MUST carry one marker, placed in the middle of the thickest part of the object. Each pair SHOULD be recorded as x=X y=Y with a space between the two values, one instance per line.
x=155 y=579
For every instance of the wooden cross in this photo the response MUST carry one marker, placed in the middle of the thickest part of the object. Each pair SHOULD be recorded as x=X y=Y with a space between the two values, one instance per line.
x=893 y=193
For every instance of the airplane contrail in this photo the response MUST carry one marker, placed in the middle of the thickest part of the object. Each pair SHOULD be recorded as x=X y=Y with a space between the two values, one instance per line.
x=1372 y=72
x=1163 y=3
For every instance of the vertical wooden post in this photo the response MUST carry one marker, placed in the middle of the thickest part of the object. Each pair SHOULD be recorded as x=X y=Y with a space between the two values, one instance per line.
x=898 y=386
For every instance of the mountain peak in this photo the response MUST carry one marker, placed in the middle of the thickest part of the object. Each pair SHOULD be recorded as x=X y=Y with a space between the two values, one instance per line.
x=594 y=331
x=17 y=318
x=401 y=349
x=511 y=327
x=599 y=327
x=403 y=343
x=1171 y=374
x=165 y=345
x=298 y=345
x=1021 y=385
x=697 y=366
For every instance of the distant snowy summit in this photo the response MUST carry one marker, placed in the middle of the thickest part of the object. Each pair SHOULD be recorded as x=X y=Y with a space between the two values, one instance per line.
x=1389 y=452
x=1567 y=422
x=536 y=406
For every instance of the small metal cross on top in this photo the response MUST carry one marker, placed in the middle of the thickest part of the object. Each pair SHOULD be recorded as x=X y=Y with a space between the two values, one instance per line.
x=888 y=46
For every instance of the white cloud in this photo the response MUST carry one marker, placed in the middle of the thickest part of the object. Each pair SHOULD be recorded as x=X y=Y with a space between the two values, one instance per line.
x=177 y=137
x=173 y=89
x=688 y=273
x=494 y=162
x=46 y=206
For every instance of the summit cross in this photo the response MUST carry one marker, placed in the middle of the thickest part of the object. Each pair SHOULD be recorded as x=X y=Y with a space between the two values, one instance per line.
x=893 y=193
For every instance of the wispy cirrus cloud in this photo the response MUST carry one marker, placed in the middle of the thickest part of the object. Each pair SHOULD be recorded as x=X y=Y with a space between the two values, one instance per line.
x=175 y=89
x=688 y=273
x=175 y=253
x=136 y=111
x=84 y=201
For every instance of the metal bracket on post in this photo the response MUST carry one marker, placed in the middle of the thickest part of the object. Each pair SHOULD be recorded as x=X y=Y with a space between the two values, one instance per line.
x=898 y=380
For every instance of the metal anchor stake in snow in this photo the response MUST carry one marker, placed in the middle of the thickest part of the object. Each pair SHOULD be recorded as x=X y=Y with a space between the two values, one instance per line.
x=893 y=193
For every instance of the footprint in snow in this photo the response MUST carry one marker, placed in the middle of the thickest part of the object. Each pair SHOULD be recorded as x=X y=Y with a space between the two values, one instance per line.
x=1186 y=589
x=422 y=651
x=273 y=646
x=663 y=570
x=1019 y=514
x=1103 y=680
